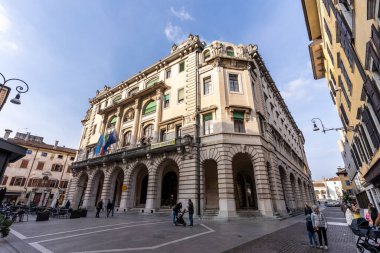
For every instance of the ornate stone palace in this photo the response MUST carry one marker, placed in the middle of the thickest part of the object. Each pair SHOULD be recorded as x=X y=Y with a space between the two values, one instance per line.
x=207 y=123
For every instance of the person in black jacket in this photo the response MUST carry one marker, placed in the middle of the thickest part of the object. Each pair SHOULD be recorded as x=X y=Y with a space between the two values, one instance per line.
x=176 y=210
x=310 y=231
x=307 y=209
x=190 y=207
x=99 y=207
x=373 y=213
x=109 y=208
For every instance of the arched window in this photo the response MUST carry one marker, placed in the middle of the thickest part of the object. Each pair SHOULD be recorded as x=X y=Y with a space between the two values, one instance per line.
x=148 y=131
x=133 y=91
x=230 y=51
x=112 y=122
x=150 y=107
x=129 y=115
x=206 y=55
x=127 y=138
x=151 y=82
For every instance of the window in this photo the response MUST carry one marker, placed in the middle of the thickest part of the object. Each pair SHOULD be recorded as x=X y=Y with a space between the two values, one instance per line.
x=206 y=55
x=168 y=73
x=150 y=107
x=207 y=86
x=330 y=54
x=63 y=184
x=371 y=127
x=116 y=99
x=24 y=163
x=53 y=183
x=127 y=138
x=345 y=75
x=234 y=83
x=328 y=32
x=181 y=66
x=44 y=154
x=238 y=122
x=166 y=100
x=60 y=156
x=56 y=167
x=178 y=131
x=181 y=95
x=69 y=169
x=17 y=181
x=148 y=131
x=133 y=91
x=84 y=133
x=346 y=122
x=163 y=135
x=5 y=179
x=344 y=93
x=28 y=152
x=72 y=158
x=151 y=82
x=40 y=166
x=94 y=129
x=112 y=122
x=207 y=124
x=371 y=9
x=230 y=51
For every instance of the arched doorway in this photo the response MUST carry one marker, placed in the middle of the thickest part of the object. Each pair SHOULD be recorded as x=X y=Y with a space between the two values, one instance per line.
x=283 y=187
x=294 y=191
x=141 y=188
x=168 y=188
x=245 y=189
x=98 y=187
x=210 y=170
x=117 y=179
x=81 y=189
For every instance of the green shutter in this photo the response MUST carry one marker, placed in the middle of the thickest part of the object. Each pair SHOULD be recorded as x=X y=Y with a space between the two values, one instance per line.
x=151 y=82
x=238 y=115
x=207 y=117
x=181 y=66
x=113 y=121
x=166 y=97
x=230 y=53
x=151 y=107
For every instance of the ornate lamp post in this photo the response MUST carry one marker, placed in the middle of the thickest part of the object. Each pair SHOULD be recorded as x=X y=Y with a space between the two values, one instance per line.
x=324 y=129
x=5 y=90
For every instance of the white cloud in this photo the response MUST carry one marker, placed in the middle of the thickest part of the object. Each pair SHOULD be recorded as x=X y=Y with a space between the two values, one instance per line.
x=297 y=89
x=6 y=40
x=174 y=33
x=182 y=14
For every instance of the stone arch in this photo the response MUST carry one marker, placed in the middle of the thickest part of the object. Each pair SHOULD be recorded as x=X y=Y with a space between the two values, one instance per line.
x=138 y=185
x=292 y=179
x=116 y=180
x=167 y=182
x=244 y=182
x=80 y=189
x=210 y=184
x=96 y=187
x=210 y=154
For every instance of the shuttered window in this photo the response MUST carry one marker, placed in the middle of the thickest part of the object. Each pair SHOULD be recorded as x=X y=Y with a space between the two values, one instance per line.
x=40 y=166
x=207 y=124
x=374 y=96
x=371 y=128
x=366 y=142
x=166 y=100
x=5 y=179
x=182 y=67
x=150 y=107
x=24 y=163
x=238 y=118
x=181 y=95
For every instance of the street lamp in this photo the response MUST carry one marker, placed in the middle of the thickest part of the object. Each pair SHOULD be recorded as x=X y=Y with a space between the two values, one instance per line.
x=19 y=89
x=324 y=129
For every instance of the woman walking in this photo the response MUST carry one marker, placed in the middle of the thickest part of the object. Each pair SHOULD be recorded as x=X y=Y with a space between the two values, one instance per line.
x=320 y=226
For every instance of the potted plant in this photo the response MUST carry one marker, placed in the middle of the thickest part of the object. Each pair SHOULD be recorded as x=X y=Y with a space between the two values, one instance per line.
x=43 y=215
x=83 y=212
x=4 y=226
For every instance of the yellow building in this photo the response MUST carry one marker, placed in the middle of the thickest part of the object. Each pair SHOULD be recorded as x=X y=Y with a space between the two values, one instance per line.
x=344 y=49
x=348 y=186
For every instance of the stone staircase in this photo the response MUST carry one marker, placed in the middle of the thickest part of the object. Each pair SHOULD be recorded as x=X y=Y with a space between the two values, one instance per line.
x=210 y=214
x=248 y=214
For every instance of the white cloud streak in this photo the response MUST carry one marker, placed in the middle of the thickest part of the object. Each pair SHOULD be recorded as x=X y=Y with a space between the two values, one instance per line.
x=174 y=33
x=182 y=14
x=6 y=40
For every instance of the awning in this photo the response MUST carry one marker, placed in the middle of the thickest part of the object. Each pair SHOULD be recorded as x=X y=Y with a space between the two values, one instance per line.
x=238 y=115
x=10 y=193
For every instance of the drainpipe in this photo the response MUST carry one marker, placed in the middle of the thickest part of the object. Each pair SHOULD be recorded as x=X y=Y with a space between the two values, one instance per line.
x=197 y=138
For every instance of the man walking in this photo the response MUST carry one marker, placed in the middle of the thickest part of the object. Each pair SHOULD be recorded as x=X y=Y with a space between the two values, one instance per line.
x=109 y=208
x=99 y=207
x=190 y=207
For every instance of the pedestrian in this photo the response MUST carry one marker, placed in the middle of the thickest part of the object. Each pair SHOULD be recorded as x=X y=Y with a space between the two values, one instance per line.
x=320 y=226
x=190 y=208
x=176 y=210
x=171 y=201
x=357 y=213
x=99 y=207
x=349 y=215
x=68 y=204
x=113 y=207
x=373 y=213
x=109 y=208
x=307 y=209
x=310 y=231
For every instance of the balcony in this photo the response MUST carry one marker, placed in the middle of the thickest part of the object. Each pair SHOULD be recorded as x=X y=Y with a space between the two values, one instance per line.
x=126 y=153
x=317 y=59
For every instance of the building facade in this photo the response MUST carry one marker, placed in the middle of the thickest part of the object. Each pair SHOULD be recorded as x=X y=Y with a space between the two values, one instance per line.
x=42 y=175
x=206 y=123
x=347 y=185
x=345 y=48
x=328 y=189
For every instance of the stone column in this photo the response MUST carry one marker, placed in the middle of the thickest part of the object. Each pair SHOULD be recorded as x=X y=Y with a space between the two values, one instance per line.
x=89 y=192
x=136 y=122
x=124 y=195
x=105 y=195
x=104 y=124
x=42 y=199
x=289 y=192
x=264 y=201
x=227 y=205
x=71 y=190
x=119 y=114
x=158 y=117
x=151 y=196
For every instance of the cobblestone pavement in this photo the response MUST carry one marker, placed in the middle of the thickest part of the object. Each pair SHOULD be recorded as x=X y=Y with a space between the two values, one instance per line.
x=293 y=239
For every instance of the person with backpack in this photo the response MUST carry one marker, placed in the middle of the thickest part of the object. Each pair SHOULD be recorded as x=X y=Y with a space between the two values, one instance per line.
x=310 y=231
x=320 y=226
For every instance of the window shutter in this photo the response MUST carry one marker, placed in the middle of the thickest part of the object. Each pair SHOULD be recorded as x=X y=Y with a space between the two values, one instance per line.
x=370 y=127
x=371 y=6
x=374 y=96
x=23 y=181
x=5 y=179
x=30 y=182
x=181 y=66
x=238 y=115
x=181 y=94
x=151 y=107
x=166 y=97
x=207 y=117
x=113 y=121
x=12 y=181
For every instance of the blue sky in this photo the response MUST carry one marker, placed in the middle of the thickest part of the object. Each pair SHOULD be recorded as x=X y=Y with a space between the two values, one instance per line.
x=66 y=50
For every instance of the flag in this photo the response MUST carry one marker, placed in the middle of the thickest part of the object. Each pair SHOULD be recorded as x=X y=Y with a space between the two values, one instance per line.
x=99 y=145
x=112 y=138
x=105 y=140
